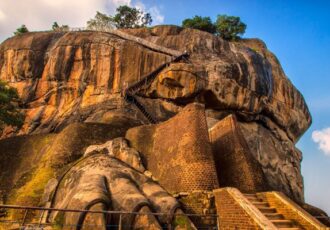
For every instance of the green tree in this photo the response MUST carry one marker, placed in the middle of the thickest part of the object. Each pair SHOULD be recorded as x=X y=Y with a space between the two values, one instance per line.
x=9 y=113
x=131 y=17
x=100 y=22
x=200 y=23
x=125 y=17
x=229 y=27
x=21 y=30
x=56 y=27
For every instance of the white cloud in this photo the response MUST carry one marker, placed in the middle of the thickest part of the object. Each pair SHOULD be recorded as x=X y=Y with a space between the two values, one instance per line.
x=40 y=14
x=322 y=138
x=158 y=18
x=2 y=15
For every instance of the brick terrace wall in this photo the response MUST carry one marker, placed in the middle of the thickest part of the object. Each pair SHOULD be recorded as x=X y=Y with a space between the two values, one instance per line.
x=291 y=211
x=235 y=165
x=236 y=212
x=199 y=202
x=178 y=151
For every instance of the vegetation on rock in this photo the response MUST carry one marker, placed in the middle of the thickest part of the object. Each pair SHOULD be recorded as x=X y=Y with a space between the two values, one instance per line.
x=126 y=17
x=227 y=27
x=9 y=113
x=100 y=22
x=130 y=17
x=57 y=27
x=21 y=30
x=199 y=23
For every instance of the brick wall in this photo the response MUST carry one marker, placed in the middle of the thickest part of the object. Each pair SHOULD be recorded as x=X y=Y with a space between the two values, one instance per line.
x=235 y=164
x=199 y=202
x=291 y=210
x=235 y=212
x=178 y=151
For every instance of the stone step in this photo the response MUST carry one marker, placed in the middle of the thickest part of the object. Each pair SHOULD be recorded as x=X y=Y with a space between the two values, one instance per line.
x=3 y=212
x=283 y=223
x=293 y=228
x=267 y=210
x=248 y=195
x=254 y=199
x=259 y=204
x=274 y=216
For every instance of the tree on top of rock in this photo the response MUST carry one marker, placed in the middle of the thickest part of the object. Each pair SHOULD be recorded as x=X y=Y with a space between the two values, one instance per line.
x=9 y=114
x=131 y=17
x=21 y=30
x=56 y=27
x=126 y=17
x=200 y=23
x=100 y=22
x=229 y=27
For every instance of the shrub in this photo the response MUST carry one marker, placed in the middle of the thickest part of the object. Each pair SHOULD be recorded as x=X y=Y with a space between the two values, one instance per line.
x=200 y=23
x=126 y=17
x=21 y=30
x=9 y=113
x=229 y=27
x=56 y=27
x=130 y=17
x=100 y=22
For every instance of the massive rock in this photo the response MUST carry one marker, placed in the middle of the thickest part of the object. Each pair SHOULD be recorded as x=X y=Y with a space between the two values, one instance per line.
x=63 y=77
x=69 y=77
x=86 y=76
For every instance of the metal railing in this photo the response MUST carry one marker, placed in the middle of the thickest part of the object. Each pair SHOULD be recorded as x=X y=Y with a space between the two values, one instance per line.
x=130 y=91
x=36 y=218
x=124 y=35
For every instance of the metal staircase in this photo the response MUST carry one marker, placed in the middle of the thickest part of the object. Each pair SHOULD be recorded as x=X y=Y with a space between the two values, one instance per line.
x=131 y=91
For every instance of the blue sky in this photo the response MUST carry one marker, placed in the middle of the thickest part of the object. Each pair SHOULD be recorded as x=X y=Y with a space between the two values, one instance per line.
x=297 y=31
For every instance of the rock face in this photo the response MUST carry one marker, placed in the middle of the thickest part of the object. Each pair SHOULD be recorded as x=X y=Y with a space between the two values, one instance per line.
x=66 y=77
x=63 y=77
x=109 y=84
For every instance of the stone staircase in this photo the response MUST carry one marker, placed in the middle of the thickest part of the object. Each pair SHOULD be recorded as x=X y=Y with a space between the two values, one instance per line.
x=271 y=213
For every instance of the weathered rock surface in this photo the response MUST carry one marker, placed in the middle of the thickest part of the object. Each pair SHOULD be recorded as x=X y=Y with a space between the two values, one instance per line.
x=63 y=77
x=281 y=164
x=73 y=76
x=84 y=76
x=28 y=163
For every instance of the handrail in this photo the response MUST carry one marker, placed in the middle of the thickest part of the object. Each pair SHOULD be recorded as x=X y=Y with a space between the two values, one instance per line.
x=129 y=93
x=121 y=34
x=151 y=76
x=100 y=211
